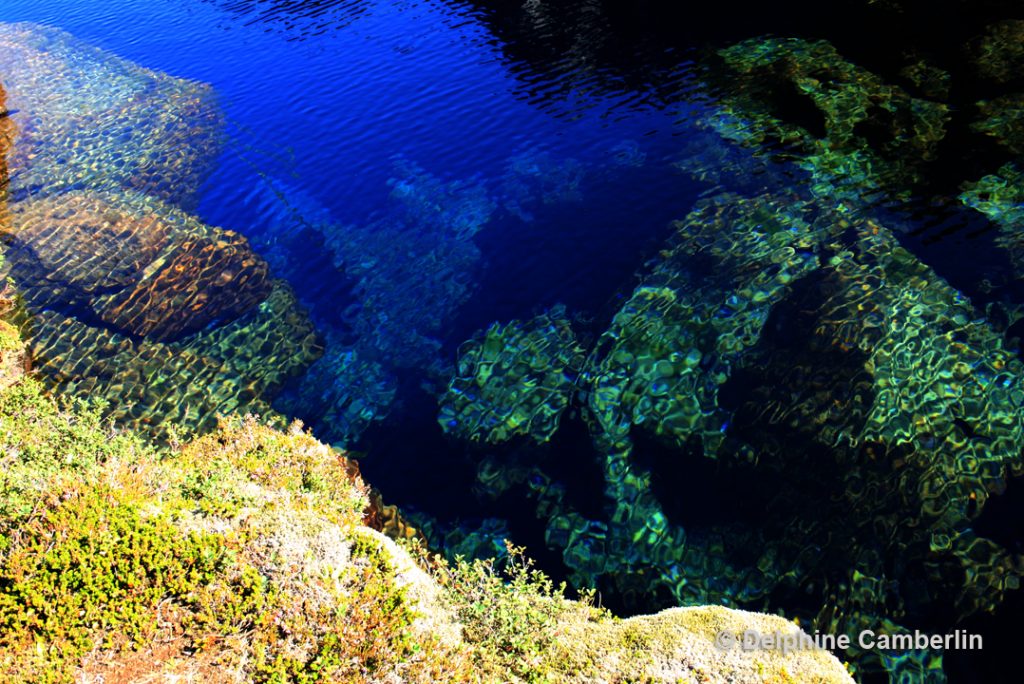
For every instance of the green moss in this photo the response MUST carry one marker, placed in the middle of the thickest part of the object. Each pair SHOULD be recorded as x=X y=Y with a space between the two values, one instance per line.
x=42 y=441
x=245 y=456
x=92 y=568
x=229 y=546
x=10 y=339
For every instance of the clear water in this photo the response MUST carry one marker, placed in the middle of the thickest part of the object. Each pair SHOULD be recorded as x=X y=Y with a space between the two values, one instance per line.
x=538 y=155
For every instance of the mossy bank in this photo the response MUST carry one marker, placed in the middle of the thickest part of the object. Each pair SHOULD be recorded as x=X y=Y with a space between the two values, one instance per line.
x=243 y=556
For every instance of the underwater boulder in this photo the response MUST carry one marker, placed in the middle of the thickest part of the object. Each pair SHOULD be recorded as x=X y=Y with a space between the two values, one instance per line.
x=233 y=369
x=515 y=379
x=143 y=267
x=201 y=280
x=998 y=54
x=846 y=121
x=80 y=245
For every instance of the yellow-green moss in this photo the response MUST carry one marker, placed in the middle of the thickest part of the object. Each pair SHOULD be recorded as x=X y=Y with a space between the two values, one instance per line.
x=243 y=545
x=91 y=568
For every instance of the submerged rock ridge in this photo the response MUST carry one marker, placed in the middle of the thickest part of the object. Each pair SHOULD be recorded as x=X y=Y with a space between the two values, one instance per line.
x=787 y=333
x=128 y=297
x=403 y=299
x=114 y=126
x=906 y=404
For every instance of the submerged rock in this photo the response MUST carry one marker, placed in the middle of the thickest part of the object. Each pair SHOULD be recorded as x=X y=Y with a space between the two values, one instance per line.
x=413 y=269
x=131 y=300
x=343 y=393
x=142 y=267
x=87 y=118
x=846 y=121
x=515 y=379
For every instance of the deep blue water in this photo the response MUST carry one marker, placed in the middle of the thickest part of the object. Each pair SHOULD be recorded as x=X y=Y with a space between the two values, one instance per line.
x=327 y=110
x=323 y=106
x=334 y=108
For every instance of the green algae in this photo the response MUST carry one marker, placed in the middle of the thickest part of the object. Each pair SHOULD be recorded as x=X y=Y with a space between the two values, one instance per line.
x=870 y=134
x=998 y=55
x=516 y=379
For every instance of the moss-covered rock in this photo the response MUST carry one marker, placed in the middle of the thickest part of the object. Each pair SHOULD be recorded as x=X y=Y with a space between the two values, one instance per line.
x=679 y=645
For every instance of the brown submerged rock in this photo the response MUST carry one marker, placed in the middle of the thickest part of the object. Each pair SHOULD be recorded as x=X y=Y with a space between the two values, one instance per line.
x=201 y=280
x=82 y=242
x=145 y=268
x=6 y=140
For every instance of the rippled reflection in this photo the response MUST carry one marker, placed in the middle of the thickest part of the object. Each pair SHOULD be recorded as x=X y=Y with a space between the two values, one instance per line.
x=300 y=19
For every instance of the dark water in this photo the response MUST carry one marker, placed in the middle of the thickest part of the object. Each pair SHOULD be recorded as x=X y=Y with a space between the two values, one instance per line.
x=472 y=163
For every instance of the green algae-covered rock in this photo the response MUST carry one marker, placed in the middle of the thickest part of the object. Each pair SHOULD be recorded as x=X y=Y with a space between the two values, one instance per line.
x=853 y=125
x=513 y=380
x=233 y=369
x=1000 y=197
x=674 y=342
